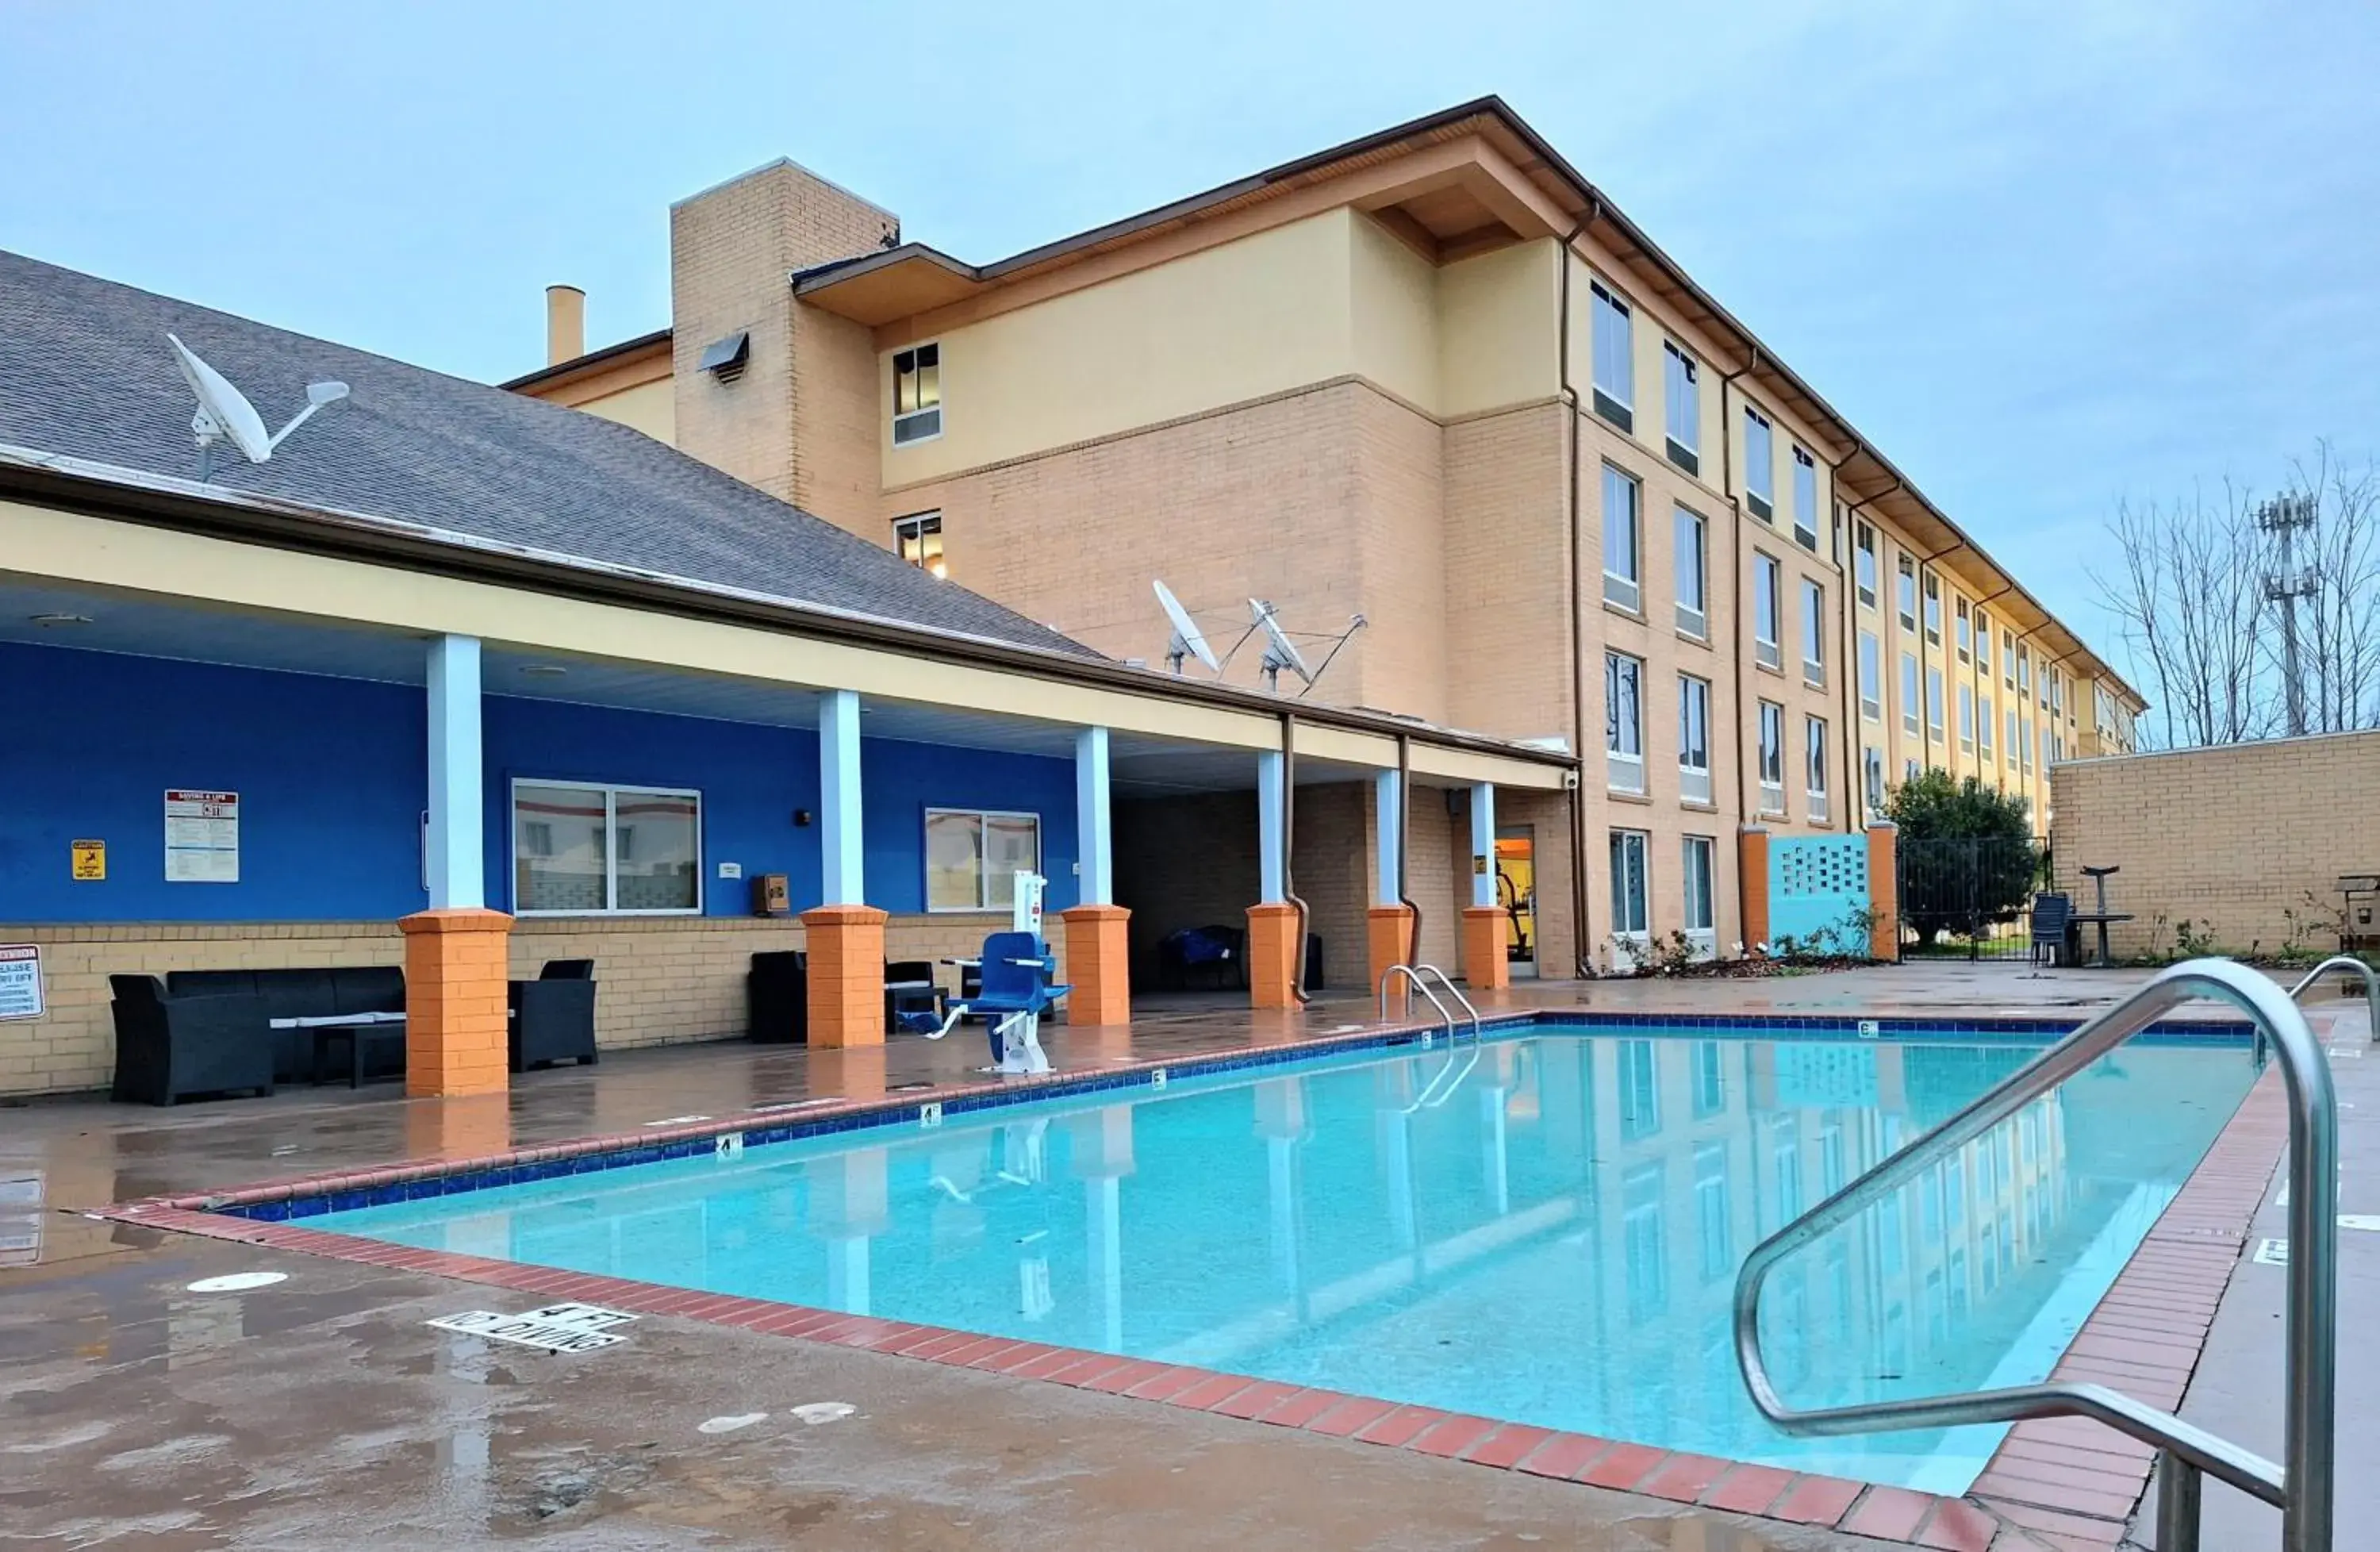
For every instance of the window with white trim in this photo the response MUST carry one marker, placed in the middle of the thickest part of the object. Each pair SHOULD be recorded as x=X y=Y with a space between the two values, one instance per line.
x=1614 y=341
x=1624 y=723
x=917 y=395
x=1908 y=593
x=1806 y=500
x=1695 y=856
x=2008 y=658
x=1863 y=564
x=1967 y=718
x=1934 y=708
x=1759 y=465
x=973 y=854
x=1982 y=644
x=1682 y=407
x=1694 y=739
x=1772 y=758
x=1622 y=531
x=1814 y=633
x=1872 y=764
x=1933 y=609
x=1871 y=670
x=1965 y=633
x=1765 y=606
x=1909 y=694
x=584 y=848
x=1983 y=727
x=1814 y=729
x=1693 y=565
x=919 y=541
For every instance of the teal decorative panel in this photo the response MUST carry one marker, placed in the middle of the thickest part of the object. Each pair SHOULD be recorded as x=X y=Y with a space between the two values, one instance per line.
x=1817 y=884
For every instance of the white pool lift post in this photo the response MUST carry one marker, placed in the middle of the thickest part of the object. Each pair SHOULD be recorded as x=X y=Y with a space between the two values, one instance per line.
x=1016 y=1036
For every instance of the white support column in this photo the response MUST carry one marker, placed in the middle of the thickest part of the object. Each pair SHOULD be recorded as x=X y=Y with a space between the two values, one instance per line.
x=1387 y=799
x=1483 y=844
x=1094 y=830
x=1271 y=814
x=456 y=859
x=839 y=833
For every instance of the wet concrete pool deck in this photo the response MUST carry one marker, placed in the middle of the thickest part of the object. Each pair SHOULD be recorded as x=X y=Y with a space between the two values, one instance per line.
x=323 y=1410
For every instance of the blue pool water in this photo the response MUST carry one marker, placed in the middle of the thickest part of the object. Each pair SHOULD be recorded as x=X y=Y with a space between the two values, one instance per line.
x=1553 y=1239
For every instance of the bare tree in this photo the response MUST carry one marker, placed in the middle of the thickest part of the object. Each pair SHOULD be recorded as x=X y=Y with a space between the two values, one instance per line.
x=2193 y=603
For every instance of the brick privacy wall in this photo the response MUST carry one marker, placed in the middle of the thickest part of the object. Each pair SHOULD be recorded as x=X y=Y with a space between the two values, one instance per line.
x=2231 y=836
x=664 y=980
x=731 y=248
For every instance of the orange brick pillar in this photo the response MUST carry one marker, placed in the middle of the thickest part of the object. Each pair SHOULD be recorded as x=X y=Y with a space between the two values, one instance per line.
x=454 y=1001
x=1884 y=890
x=1752 y=882
x=1484 y=965
x=1389 y=939
x=1098 y=964
x=1272 y=954
x=846 y=975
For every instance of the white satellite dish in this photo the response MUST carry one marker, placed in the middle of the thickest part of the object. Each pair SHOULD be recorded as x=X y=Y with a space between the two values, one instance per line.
x=1188 y=640
x=1280 y=651
x=223 y=410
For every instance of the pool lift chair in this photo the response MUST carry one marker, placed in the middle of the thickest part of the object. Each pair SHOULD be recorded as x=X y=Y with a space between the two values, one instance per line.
x=1016 y=992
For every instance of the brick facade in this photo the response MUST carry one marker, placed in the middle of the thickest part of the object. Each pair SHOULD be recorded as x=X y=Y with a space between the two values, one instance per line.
x=2230 y=837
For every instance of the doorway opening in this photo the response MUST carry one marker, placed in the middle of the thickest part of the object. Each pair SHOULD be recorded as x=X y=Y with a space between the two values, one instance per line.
x=1516 y=892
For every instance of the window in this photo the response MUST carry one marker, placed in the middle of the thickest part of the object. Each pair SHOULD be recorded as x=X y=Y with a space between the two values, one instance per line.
x=1694 y=739
x=1908 y=594
x=917 y=394
x=1624 y=723
x=1933 y=609
x=1710 y=1078
x=1870 y=670
x=1983 y=727
x=2024 y=671
x=1934 y=705
x=1872 y=773
x=1864 y=566
x=1765 y=609
x=1615 y=359
x=1772 y=758
x=1643 y=1240
x=1909 y=694
x=1967 y=718
x=1759 y=465
x=1682 y=407
x=919 y=540
x=1697 y=860
x=2012 y=745
x=1806 y=500
x=2025 y=744
x=2007 y=659
x=1814 y=633
x=1629 y=887
x=1693 y=575
x=582 y=849
x=1711 y=1209
x=1620 y=547
x=1815 y=730
x=1909 y=769
x=973 y=858
x=1982 y=644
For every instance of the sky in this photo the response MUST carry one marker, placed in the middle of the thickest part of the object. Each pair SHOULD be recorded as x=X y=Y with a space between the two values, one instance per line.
x=2045 y=256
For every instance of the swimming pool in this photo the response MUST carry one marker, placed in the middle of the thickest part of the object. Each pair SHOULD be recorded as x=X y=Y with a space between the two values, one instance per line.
x=1543 y=1230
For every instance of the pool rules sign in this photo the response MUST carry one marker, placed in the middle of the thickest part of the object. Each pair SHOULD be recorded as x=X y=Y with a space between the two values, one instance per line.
x=20 y=980
x=202 y=837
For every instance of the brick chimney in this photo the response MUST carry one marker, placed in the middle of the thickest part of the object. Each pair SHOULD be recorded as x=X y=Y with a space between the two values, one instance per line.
x=799 y=422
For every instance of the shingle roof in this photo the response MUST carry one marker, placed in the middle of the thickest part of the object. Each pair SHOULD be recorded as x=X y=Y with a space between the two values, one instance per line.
x=85 y=372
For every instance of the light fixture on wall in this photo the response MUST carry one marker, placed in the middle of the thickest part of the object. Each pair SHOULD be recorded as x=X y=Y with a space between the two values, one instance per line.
x=53 y=622
x=801 y=819
x=543 y=670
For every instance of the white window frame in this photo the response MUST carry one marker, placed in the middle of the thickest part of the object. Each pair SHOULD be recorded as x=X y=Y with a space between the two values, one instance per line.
x=1693 y=780
x=1611 y=341
x=983 y=817
x=1625 y=589
x=1805 y=498
x=1624 y=769
x=1699 y=887
x=1814 y=767
x=1871 y=677
x=1984 y=713
x=2010 y=747
x=1935 y=712
x=1767 y=589
x=1983 y=642
x=1814 y=633
x=2008 y=658
x=1904 y=596
x=1967 y=718
x=1964 y=627
x=1682 y=407
x=915 y=527
x=1909 y=682
x=1872 y=774
x=1685 y=523
x=1772 y=758
x=1932 y=592
x=1760 y=468
x=1633 y=940
x=926 y=417
x=610 y=791
x=1865 y=563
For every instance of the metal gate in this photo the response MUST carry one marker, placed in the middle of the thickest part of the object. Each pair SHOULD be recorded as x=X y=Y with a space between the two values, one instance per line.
x=1968 y=899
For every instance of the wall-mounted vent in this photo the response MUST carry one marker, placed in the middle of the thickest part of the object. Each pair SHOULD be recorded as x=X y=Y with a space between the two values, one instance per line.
x=725 y=358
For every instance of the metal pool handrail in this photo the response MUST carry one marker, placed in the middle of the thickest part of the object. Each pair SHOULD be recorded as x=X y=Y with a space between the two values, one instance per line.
x=2371 y=987
x=1414 y=974
x=2302 y=1488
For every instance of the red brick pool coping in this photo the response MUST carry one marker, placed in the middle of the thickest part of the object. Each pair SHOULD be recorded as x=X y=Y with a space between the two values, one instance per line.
x=2065 y=1484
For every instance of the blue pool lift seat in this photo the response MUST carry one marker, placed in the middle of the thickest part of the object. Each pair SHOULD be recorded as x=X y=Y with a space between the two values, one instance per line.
x=1016 y=992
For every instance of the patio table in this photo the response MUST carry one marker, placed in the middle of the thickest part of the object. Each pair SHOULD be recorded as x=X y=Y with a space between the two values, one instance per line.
x=361 y=1031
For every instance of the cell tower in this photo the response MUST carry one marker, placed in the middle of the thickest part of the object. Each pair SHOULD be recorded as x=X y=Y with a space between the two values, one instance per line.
x=2285 y=516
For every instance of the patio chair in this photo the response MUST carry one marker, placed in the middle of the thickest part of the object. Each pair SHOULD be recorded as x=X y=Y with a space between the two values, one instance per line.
x=1016 y=992
x=777 y=998
x=909 y=989
x=2052 y=919
x=168 y=1047
x=552 y=1018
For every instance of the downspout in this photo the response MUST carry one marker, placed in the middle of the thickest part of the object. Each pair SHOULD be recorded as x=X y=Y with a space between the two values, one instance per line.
x=1746 y=810
x=1405 y=842
x=1883 y=722
x=1289 y=849
x=1583 y=956
x=1853 y=778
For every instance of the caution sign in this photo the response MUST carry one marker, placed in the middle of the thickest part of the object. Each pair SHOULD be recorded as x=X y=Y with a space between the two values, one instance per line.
x=90 y=861
x=556 y=1328
x=20 y=980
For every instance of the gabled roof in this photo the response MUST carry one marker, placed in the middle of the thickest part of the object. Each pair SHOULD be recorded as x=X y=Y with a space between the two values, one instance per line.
x=86 y=373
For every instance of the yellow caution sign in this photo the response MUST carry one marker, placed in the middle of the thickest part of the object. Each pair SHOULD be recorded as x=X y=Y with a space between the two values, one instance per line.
x=90 y=861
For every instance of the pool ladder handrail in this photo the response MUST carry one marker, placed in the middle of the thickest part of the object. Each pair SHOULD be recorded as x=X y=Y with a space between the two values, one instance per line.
x=2354 y=967
x=1448 y=1078
x=2301 y=1488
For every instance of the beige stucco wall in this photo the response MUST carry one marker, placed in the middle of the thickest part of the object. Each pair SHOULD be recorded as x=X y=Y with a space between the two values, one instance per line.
x=2230 y=837
x=651 y=407
x=1497 y=342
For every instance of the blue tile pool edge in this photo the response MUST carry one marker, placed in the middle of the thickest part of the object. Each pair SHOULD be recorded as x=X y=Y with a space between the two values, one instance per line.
x=302 y=1199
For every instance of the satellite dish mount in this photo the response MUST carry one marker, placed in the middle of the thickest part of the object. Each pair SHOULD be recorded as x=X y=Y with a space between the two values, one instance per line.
x=224 y=411
x=1281 y=652
x=1187 y=640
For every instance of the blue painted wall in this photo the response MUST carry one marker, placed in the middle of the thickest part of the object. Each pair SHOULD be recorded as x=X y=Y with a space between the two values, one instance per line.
x=331 y=778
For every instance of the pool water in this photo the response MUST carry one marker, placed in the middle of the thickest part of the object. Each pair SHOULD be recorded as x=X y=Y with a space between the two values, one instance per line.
x=1545 y=1230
